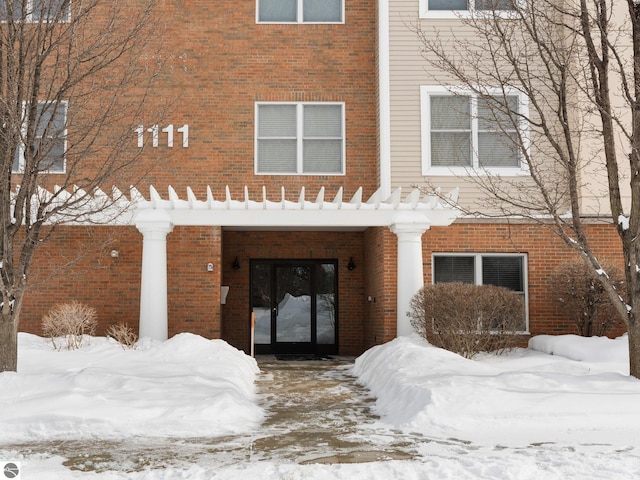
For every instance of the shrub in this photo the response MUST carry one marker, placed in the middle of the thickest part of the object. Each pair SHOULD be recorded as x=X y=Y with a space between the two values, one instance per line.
x=468 y=319
x=68 y=323
x=583 y=299
x=124 y=335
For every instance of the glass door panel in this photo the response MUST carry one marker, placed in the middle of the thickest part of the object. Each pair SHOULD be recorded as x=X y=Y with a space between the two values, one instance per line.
x=295 y=306
x=261 y=301
x=325 y=286
x=293 y=312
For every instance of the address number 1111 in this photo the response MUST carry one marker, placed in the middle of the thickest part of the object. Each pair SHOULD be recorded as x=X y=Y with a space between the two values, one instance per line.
x=155 y=132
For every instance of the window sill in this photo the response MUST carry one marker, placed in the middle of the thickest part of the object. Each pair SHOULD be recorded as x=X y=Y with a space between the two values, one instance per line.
x=299 y=23
x=296 y=174
x=474 y=172
x=465 y=15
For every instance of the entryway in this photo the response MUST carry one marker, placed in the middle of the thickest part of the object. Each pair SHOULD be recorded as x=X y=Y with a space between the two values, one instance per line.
x=295 y=303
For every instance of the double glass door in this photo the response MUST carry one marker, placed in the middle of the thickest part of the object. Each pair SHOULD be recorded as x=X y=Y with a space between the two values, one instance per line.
x=295 y=306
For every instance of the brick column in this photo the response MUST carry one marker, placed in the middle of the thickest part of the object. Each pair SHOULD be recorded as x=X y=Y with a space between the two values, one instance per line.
x=409 y=228
x=154 y=226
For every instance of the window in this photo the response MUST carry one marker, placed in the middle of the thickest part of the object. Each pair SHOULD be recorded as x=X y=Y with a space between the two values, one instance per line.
x=300 y=11
x=50 y=139
x=463 y=132
x=300 y=138
x=466 y=8
x=36 y=10
x=502 y=270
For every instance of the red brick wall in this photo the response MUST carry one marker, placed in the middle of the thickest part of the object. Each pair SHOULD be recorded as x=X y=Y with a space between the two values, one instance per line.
x=219 y=63
x=193 y=291
x=294 y=245
x=112 y=285
x=216 y=64
x=545 y=252
x=380 y=285
x=76 y=264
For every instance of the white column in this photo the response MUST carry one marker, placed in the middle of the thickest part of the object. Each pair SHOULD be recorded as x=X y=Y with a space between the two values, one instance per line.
x=408 y=227
x=154 y=226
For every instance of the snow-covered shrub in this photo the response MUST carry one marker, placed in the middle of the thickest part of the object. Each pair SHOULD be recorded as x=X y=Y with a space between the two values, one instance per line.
x=468 y=319
x=124 y=335
x=67 y=323
x=583 y=299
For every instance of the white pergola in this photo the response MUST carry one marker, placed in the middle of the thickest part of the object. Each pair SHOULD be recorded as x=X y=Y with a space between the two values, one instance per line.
x=155 y=218
x=408 y=218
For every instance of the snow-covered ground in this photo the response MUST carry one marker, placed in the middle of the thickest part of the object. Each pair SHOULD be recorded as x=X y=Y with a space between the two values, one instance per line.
x=563 y=409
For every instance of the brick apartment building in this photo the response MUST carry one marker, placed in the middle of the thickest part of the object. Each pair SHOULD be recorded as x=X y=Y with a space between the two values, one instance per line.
x=288 y=190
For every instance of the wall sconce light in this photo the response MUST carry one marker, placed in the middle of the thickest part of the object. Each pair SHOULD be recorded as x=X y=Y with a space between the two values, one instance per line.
x=351 y=265
x=236 y=264
x=114 y=253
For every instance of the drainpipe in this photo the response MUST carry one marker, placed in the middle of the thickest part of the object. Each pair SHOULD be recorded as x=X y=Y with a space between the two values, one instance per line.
x=409 y=228
x=154 y=226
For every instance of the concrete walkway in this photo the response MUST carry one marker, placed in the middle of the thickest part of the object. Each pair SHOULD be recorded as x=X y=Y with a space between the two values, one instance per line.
x=316 y=413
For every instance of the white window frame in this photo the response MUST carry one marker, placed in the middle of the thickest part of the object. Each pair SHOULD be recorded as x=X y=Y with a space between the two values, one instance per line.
x=21 y=162
x=469 y=12
x=300 y=139
x=300 y=15
x=29 y=17
x=477 y=270
x=426 y=91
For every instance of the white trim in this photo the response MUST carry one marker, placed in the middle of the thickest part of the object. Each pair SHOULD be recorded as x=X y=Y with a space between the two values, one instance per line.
x=283 y=213
x=384 y=100
x=299 y=20
x=300 y=139
x=426 y=91
x=114 y=208
x=469 y=12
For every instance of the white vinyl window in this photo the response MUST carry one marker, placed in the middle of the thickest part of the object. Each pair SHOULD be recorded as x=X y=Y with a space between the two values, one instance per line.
x=467 y=8
x=50 y=139
x=501 y=270
x=35 y=11
x=300 y=138
x=463 y=133
x=300 y=11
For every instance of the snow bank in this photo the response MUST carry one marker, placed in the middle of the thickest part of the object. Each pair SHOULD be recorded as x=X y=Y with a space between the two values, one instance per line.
x=185 y=387
x=601 y=350
x=522 y=398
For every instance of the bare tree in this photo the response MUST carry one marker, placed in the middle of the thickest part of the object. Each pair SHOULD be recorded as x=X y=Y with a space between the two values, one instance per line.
x=577 y=63
x=73 y=78
x=582 y=298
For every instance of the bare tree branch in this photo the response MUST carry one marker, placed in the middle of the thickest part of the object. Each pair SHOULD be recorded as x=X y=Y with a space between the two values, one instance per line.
x=577 y=63
x=74 y=77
